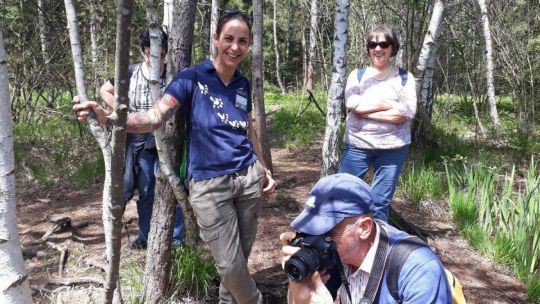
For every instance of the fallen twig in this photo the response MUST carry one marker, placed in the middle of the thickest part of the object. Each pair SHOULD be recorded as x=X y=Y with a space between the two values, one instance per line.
x=74 y=281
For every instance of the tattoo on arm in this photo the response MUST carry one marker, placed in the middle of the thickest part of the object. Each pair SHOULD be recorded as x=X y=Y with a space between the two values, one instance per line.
x=144 y=122
x=168 y=101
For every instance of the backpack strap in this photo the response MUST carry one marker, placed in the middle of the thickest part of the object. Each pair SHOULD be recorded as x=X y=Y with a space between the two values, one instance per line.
x=402 y=73
x=397 y=257
x=360 y=73
x=404 y=76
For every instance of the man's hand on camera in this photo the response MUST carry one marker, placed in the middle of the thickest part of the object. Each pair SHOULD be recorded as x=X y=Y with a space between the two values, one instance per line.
x=82 y=109
x=309 y=291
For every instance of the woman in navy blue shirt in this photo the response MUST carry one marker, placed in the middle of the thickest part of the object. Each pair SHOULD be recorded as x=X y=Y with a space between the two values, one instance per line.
x=226 y=170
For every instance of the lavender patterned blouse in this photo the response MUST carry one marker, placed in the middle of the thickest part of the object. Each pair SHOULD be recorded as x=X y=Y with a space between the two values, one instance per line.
x=366 y=133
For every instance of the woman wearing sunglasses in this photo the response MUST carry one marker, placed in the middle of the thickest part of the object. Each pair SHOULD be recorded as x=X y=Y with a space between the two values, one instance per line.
x=381 y=102
x=226 y=171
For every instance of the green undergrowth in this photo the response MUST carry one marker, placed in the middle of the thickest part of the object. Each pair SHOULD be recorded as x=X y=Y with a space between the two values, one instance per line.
x=292 y=122
x=498 y=212
x=192 y=274
x=52 y=148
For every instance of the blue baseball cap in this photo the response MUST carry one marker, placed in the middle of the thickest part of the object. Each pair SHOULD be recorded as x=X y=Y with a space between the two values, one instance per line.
x=332 y=199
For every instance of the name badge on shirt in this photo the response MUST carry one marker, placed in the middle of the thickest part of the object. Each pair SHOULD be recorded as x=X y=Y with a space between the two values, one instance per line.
x=241 y=100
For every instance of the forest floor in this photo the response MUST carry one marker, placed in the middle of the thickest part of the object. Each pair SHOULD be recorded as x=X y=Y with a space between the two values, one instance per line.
x=296 y=170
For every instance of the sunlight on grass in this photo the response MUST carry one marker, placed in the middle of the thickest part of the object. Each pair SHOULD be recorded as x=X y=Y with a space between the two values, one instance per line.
x=419 y=182
x=292 y=124
x=499 y=215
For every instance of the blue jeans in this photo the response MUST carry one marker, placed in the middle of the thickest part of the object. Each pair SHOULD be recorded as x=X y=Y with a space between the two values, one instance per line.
x=387 y=164
x=140 y=173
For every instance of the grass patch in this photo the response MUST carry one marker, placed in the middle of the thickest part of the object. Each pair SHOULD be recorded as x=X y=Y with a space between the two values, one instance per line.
x=420 y=181
x=500 y=215
x=293 y=123
x=192 y=272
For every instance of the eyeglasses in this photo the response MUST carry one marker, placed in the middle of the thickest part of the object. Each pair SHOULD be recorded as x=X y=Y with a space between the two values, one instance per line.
x=383 y=44
x=233 y=12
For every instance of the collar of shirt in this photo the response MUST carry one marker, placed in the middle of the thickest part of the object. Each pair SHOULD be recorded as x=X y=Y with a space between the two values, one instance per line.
x=208 y=65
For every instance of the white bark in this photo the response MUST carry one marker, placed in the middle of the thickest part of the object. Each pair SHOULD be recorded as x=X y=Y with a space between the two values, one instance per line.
x=313 y=12
x=257 y=78
x=276 y=51
x=168 y=10
x=426 y=69
x=113 y=152
x=42 y=31
x=330 y=153
x=488 y=56
x=213 y=26
x=78 y=64
x=14 y=288
x=94 y=24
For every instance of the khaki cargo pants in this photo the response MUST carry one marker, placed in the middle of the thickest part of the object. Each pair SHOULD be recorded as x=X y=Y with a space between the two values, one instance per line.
x=227 y=208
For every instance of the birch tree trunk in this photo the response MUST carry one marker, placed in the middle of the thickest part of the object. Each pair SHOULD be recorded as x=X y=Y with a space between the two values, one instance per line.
x=113 y=152
x=424 y=76
x=94 y=29
x=330 y=153
x=257 y=80
x=118 y=146
x=44 y=50
x=276 y=51
x=214 y=19
x=158 y=258
x=168 y=11
x=14 y=288
x=313 y=12
x=488 y=56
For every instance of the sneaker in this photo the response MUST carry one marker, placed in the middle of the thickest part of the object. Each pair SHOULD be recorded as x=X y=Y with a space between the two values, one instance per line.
x=138 y=244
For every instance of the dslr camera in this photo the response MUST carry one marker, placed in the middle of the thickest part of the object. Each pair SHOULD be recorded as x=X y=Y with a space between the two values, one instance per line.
x=317 y=252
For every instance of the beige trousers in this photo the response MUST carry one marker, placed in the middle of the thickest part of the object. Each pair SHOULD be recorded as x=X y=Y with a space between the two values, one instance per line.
x=227 y=208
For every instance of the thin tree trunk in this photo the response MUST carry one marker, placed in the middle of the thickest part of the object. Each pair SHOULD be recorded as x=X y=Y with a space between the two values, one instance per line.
x=158 y=258
x=425 y=71
x=276 y=51
x=461 y=50
x=205 y=9
x=313 y=12
x=257 y=79
x=14 y=288
x=488 y=56
x=44 y=50
x=113 y=152
x=330 y=153
x=213 y=26
x=94 y=29
x=168 y=11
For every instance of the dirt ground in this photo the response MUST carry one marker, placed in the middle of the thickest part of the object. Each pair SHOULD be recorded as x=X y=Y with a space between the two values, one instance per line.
x=295 y=171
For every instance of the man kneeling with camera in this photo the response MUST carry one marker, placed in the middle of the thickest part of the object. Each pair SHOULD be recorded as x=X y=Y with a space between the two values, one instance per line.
x=337 y=240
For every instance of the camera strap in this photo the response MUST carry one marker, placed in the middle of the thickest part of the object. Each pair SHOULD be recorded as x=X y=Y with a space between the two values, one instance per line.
x=377 y=268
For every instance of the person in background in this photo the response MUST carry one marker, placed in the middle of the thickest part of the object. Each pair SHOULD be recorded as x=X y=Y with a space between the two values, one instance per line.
x=340 y=206
x=381 y=103
x=141 y=155
x=226 y=171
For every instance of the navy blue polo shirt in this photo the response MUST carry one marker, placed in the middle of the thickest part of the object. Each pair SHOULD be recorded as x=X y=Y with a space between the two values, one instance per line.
x=218 y=141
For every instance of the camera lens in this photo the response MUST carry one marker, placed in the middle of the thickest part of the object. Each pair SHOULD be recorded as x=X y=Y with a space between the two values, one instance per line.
x=302 y=264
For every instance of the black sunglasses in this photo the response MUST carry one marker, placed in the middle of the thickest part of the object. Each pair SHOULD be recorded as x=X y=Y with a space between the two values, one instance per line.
x=383 y=45
x=234 y=12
